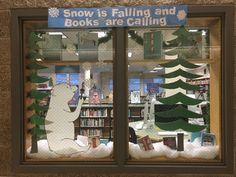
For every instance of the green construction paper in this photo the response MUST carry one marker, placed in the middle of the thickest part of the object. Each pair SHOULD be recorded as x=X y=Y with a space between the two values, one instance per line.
x=33 y=39
x=36 y=66
x=36 y=131
x=179 y=84
x=179 y=61
x=34 y=78
x=180 y=72
x=179 y=111
x=37 y=107
x=180 y=124
x=181 y=31
x=186 y=52
x=36 y=119
x=33 y=55
x=180 y=97
x=38 y=95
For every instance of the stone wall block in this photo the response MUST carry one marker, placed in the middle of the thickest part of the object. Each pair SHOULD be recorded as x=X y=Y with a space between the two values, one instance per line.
x=5 y=4
x=5 y=77
x=23 y=3
x=5 y=51
x=5 y=24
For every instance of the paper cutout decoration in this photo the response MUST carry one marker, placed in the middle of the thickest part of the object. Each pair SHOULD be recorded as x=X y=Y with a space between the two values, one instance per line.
x=182 y=73
x=185 y=44
x=180 y=97
x=61 y=138
x=36 y=96
x=180 y=124
x=152 y=45
x=180 y=84
x=179 y=111
x=177 y=117
x=179 y=61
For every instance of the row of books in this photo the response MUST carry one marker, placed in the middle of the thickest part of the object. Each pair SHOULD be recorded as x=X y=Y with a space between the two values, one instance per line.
x=91 y=132
x=136 y=112
x=92 y=122
x=199 y=82
x=93 y=112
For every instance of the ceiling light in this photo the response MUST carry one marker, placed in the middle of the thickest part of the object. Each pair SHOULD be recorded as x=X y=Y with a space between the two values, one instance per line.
x=193 y=30
x=55 y=33
x=39 y=59
x=158 y=67
x=203 y=33
x=130 y=54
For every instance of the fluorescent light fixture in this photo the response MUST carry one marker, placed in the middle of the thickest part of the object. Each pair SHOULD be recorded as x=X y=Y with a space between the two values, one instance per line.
x=158 y=67
x=100 y=33
x=203 y=33
x=58 y=33
x=55 y=33
x=193 y=30
x=39 y=59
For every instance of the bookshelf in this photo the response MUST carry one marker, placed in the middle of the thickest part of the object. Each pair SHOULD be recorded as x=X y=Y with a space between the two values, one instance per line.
x=95 y=120
x=136 y=112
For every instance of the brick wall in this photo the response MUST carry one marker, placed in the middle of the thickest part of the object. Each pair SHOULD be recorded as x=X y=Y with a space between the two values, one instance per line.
x=5 y=77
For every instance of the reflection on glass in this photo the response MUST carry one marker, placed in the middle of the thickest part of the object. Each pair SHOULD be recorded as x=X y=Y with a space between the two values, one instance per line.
x=69 y=106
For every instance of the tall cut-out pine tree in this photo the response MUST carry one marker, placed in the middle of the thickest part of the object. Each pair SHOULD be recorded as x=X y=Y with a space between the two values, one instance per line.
x=184 y=47
x=38 y=111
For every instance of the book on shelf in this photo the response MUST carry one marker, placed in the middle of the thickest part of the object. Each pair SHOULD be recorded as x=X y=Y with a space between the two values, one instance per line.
x=94 y=96
x=92 y=122
x=91 y=132
x=89 y=112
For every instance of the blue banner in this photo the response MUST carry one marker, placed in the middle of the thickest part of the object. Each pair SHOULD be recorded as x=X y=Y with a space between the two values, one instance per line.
x=158 y=16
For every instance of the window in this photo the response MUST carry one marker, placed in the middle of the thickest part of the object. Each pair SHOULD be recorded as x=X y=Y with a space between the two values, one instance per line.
x=133 y=128
x=134 y=84
x=72 y=78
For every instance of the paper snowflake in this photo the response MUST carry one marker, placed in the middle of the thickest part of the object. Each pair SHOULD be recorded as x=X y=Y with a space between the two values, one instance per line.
x=53 y=12
x=181 y=14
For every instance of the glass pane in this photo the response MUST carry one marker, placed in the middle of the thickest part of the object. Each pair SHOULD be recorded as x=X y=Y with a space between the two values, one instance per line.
x=69 y=102
x=171 y=109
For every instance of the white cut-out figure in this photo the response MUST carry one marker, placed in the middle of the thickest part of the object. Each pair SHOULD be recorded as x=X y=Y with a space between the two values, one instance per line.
x=60 y=129
x=149 y=117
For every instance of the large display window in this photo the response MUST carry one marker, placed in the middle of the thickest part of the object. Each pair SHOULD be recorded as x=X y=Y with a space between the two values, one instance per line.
x=122 y=98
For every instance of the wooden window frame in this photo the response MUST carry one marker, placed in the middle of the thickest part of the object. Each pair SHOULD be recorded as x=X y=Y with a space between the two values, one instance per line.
x=121 y=163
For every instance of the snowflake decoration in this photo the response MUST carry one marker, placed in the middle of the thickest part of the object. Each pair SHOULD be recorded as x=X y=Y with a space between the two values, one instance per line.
x=181 y=14
x=53 y=12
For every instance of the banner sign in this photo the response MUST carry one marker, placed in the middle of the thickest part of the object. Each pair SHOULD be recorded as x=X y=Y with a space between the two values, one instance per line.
x=159 y=16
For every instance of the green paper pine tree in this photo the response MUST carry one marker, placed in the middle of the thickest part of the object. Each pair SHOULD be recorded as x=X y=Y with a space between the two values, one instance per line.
x=37 y=119
x=177 y=117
